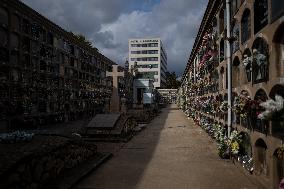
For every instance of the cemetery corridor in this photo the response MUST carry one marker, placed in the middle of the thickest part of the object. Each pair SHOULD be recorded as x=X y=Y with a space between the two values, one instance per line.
x=171 y=152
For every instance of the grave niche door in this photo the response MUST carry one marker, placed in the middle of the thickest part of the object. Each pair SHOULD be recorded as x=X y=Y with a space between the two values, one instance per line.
x=260 y=159
x=245 y=146
x=278 y=167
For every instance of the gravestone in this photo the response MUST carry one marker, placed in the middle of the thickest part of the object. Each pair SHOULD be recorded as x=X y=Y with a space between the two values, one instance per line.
x=103 y=121
x=115 y=101
x=109 y=128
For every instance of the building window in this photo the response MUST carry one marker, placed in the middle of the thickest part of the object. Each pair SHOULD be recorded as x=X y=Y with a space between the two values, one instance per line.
x=260 y=14
x=153 y=45
x=246 y=24
x=260 y=60
x=148 y=66
x=145 y=59
x=135 y=52
x=153 y=52
x=145 y=52
x=145 y=45
x=4 y=17
x=277 y=9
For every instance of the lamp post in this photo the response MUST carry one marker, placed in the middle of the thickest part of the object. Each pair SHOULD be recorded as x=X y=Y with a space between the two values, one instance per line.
x=229 y=65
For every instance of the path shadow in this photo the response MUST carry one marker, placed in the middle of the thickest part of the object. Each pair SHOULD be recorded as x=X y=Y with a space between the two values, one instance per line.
x=126 y=169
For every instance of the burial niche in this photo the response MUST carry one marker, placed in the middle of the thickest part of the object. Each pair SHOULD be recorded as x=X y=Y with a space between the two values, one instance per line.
x=246 y=26
x=260 y=14
x=261 y=167
x=247 y=62
x=260 y=61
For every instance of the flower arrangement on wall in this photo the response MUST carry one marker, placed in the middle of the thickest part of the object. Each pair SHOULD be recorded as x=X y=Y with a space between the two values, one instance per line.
x=224 y=106
x=280 y=153
x=242 y=106
x=208 y=51
x=234 y=142
x=274 y=109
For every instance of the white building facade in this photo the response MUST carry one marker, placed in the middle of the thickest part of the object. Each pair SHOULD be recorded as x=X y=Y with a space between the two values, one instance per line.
x=150 y=59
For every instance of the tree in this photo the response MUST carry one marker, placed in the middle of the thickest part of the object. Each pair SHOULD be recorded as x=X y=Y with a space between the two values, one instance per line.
x=171 y=81
x=82 y=39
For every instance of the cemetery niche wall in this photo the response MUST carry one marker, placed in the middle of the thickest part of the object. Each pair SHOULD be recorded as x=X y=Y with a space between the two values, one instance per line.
x=256 y=44
x=47 y=75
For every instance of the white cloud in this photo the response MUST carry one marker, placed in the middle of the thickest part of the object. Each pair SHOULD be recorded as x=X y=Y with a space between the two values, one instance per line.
x=175 y=23
x=110 y=23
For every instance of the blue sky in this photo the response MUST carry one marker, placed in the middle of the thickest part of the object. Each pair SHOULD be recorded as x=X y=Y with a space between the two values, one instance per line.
x=108 y=24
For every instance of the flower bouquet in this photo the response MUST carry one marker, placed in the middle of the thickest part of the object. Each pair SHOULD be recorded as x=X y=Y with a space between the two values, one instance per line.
x=224 y=106
x=274 y=110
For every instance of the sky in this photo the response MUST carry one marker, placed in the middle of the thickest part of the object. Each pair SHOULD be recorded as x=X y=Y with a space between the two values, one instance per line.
x=108 y=24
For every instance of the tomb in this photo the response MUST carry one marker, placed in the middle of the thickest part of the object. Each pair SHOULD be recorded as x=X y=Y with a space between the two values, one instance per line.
x=112 y=127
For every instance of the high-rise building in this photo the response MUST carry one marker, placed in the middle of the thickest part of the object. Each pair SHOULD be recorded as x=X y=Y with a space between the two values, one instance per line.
x=150 y=58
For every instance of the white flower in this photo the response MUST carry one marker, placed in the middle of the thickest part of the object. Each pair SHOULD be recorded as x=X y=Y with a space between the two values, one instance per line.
x=247 y=60
x=271 y=107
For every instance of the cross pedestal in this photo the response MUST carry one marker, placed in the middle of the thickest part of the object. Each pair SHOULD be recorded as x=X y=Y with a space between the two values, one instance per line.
x=115 y=101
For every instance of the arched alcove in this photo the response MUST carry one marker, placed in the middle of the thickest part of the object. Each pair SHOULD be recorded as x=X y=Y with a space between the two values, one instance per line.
x=259 y=124
x=277 y=9
x=236 y=35
x=222 y=50
x=236 y=72
x=277 y=123
x=247 y=62
x=260 y=14
x=246 y=25
x=278 y=40
x=261 y=167
x=245 y=145
x=278 y=166
x=276 y=89
x=3 y=38
x=4 y=16
x=260 y=63
x=15 y=22
x=221 y=21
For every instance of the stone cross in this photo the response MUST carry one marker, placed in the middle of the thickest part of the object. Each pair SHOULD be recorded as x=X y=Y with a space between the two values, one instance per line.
x=114 y=103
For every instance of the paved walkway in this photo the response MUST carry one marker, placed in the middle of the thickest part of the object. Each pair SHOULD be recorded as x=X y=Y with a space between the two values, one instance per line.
x=171 y=153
